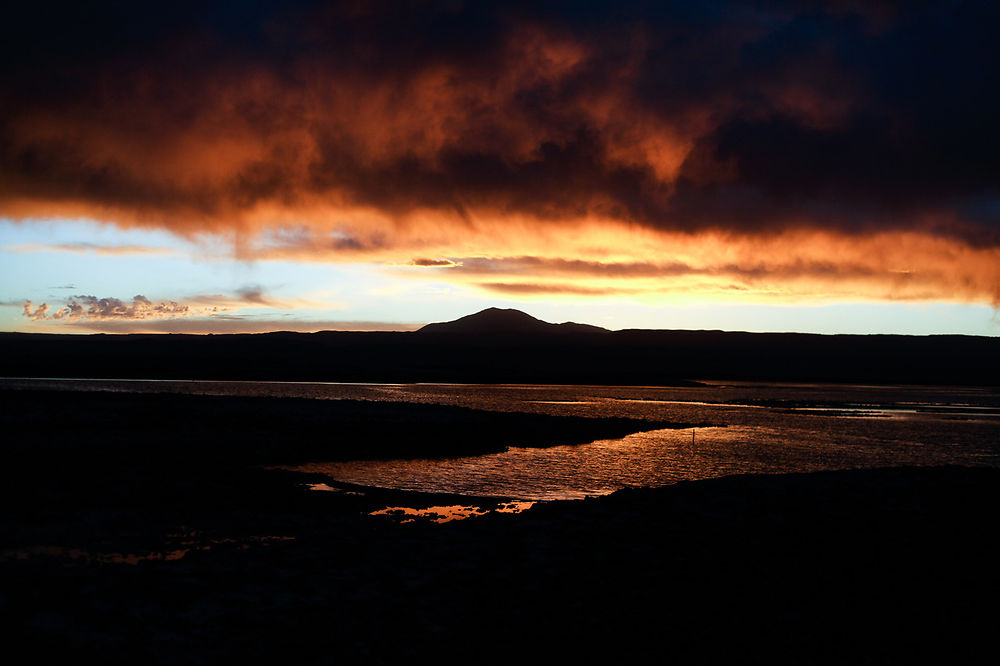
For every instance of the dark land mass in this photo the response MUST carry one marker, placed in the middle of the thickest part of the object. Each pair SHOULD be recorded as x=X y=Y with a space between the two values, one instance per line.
x=266 y=430
x=877 y=566
x=147 y=529
x=501 y=347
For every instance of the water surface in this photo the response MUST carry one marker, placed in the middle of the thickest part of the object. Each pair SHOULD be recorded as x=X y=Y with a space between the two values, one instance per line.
x=757 y=428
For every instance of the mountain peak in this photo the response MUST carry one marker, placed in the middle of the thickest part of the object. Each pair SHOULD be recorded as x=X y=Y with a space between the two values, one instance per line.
x=505 y=322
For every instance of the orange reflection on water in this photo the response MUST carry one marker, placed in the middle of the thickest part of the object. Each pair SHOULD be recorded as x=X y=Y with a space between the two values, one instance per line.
x=326 y=488
x=445 y=514
x=514 y=507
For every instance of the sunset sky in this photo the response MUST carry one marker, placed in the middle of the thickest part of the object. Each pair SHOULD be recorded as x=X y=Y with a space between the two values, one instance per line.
x=243 y=167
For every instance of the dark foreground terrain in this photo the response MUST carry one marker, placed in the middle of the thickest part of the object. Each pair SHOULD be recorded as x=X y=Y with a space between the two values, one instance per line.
x=173 y=557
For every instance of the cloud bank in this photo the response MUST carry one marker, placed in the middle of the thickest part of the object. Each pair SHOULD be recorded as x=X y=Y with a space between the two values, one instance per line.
x=95 y=313
x=93 y=308
x=618 y=134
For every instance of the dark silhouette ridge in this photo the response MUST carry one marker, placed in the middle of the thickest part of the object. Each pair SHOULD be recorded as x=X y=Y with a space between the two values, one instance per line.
x=508 y=346
x=497 y=321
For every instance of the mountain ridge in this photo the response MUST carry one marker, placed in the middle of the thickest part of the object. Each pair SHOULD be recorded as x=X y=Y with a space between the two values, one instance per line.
x=506 y=321
x=498 y=346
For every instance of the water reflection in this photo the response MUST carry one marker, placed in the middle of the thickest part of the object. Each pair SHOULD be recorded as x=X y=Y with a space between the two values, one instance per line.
x=327 y=488
x=659 y=457
x=446 y=514
x=772 y=428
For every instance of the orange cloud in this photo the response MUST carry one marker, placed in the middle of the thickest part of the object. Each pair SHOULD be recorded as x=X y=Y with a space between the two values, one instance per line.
x=608 y=259
x=607 y=150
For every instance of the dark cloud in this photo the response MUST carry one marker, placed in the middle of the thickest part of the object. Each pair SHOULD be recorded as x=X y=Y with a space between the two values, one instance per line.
x=527 y=289
x=254 y=295
x=434 y=263
x=556 y=266
x=736 y=116
x=247 y=296
x=542 y=266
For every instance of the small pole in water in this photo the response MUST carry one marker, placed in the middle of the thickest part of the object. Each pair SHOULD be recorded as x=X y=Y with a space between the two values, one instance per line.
x=692 y=435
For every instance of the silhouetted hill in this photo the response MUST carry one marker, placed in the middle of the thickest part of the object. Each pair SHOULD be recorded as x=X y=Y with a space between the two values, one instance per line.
x=497 y=321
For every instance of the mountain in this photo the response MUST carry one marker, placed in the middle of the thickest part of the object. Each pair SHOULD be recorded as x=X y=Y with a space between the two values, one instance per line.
x=497 y=321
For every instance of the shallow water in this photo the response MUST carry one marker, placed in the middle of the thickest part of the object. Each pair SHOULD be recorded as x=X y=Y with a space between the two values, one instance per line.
x=757 y=428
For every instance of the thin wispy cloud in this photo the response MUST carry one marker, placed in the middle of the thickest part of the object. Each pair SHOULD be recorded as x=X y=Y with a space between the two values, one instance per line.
x=89 y=248
x=434 y=263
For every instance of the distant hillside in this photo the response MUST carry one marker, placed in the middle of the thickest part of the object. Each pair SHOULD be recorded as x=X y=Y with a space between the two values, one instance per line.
x=497 y=321
x=507 y=346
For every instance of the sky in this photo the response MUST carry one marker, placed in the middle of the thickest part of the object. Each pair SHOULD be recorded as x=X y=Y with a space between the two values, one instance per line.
x=197 y=167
